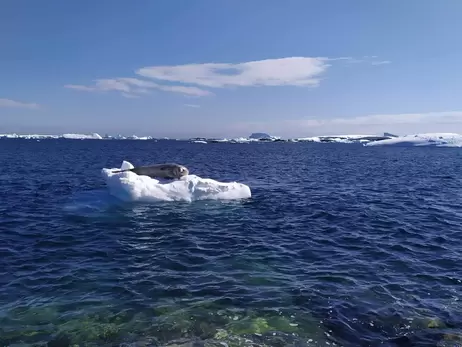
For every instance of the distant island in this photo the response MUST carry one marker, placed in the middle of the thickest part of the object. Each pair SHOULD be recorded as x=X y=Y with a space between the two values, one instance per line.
x=260 y=136
x=430 y=139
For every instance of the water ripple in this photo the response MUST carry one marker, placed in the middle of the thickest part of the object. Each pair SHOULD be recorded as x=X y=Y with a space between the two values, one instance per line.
x=339 y=244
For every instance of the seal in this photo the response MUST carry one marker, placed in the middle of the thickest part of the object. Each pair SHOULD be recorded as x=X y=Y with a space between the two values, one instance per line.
x=168 y=170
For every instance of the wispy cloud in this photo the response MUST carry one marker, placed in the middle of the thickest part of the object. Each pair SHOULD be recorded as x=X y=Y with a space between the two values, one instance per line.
x=193 y=91
x=382 y=62
x=367 y=59
x=196 y=79
x=131 y=87
x=18 y=104
x=407 y=123
x=123 y=85
x=192 y=105
x=130 y=96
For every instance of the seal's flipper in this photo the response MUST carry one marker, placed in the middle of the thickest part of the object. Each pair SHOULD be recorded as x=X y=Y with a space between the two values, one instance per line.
x=126 y=166
x=119 y=171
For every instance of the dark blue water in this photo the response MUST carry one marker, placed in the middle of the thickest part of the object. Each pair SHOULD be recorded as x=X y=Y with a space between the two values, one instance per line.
x=339 y=245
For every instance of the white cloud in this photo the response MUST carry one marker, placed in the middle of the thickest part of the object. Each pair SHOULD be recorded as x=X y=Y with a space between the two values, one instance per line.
x=295 y=71
x=399 y=119
x=401 y=124
x=367 y=59
x=193 y=91
x=79 y=87
x=192 y=105
x=137 y=82
x=382 y=62
x=123 y=85
x=191 y=79
x=129 y=87
x=130 y=96
x=18 y=104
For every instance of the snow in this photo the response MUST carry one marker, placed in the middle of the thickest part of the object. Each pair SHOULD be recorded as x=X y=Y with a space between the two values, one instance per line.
x=426 y=139
x=128 y=186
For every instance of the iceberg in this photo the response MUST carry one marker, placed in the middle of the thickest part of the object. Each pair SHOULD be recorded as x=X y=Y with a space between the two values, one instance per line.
x=341 y=138
x=426 y=139
x=93 y=136
x=130 y=187
x=82 y=136
x=28 y=136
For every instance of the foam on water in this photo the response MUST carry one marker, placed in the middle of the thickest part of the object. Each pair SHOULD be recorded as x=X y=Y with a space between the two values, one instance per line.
x=129 y=186
x=427 y=139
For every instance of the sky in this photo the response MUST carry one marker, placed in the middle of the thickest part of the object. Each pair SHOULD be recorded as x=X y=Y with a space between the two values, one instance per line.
x=182 y=68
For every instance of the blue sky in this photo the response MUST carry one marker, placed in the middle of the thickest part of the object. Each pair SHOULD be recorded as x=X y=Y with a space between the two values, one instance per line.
x=229 y=68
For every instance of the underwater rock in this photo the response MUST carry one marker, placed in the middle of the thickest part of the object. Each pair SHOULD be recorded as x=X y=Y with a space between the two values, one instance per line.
x=186 y=343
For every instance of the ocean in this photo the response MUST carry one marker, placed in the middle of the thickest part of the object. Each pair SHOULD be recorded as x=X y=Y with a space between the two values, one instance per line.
x=339 y=245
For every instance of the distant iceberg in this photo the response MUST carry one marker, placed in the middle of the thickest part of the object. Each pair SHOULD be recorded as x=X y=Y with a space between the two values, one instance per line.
x=28 y=136
x=387 y=139
x=93 y=136
x=83 y=136
x=342 y=138
x=72 y=136
x=427 y=139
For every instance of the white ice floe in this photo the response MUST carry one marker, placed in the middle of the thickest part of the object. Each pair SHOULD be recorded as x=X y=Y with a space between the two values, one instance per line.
x=129 y=186
x=427 y=139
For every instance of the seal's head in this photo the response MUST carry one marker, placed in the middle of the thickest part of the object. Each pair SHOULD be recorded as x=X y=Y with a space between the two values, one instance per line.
x=180 y=171
x=173 y=170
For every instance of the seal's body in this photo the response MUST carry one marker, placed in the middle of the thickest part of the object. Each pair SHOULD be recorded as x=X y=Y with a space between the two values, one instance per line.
x=169 y=170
